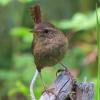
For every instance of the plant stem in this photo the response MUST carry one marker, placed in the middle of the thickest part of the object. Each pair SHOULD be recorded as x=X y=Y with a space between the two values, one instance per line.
x=98 y=45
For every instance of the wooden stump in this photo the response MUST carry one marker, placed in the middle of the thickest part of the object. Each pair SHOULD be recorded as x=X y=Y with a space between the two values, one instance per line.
x=65 y=87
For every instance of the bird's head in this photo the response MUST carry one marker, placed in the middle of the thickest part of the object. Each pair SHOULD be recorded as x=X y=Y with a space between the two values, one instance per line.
x=44 y=28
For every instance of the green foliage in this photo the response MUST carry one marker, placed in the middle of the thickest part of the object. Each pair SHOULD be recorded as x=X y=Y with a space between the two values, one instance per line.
x=8 y=75
x=98 y=44
x=26 y=1
x=73 y=56
x=24 y=65
x=79 y=21
x=4 y=2
x=19 y=87
x=22 y=32
x=17 y=78
x=23 y=35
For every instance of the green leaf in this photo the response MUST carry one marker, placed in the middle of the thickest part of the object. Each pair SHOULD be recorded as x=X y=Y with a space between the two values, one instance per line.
x=28 y=38
x=4 y=2
x=23 y=60
x=20 y=31
x=19 y=87
x=26 y=1
x=22 y=88
x=79 y=21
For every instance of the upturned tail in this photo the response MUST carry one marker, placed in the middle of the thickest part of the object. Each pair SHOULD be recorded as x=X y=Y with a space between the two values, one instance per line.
x=36 y=14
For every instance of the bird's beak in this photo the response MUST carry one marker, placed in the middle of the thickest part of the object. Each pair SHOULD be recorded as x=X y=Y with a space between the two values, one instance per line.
x=35 y=31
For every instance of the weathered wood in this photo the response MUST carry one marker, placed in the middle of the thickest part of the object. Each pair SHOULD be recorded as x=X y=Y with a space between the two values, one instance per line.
x=66 y=88
x=85 y=91
x=61 y=88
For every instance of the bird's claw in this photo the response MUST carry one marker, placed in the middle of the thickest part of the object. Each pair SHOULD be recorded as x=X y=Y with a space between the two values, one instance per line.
x=49 y=91
x=59 y=71
x=66 y=70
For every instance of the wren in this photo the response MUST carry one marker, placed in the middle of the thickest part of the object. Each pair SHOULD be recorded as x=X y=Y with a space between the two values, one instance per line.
x=49 y=45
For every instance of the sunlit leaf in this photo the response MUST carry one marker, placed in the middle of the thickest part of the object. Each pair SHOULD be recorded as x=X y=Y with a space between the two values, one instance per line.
x=25 y=1
x=20 y=31
x=28 y=38
x=79 y=21
x=22 y=88
x=19 y=87
x=4 y=2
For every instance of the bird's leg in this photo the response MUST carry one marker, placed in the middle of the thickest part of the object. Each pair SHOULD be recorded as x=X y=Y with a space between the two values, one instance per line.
x=65 y=69
x=44 y=86
x=64 y=66
x=60 y=70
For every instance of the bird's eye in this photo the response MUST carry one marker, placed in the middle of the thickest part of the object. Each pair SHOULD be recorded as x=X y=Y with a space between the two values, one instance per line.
x=46 y=31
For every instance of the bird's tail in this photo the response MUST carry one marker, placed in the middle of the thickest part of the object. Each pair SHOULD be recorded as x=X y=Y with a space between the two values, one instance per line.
x=36 y=14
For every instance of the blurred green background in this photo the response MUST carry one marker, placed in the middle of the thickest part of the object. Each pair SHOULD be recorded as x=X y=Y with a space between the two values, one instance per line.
x=16 y=60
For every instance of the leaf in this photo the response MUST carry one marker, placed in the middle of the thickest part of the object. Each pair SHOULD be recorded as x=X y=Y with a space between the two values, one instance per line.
x=20 y=31
x=22 y=88
x=28 y=38
x=19 y=87
x=26 y=1
x=4 y=2
x=79 y=21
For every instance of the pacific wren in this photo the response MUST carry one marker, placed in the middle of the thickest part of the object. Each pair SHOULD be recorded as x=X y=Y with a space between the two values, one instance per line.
x=49 y=46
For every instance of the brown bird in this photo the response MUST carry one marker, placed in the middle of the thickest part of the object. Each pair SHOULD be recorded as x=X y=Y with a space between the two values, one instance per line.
x=49 y=45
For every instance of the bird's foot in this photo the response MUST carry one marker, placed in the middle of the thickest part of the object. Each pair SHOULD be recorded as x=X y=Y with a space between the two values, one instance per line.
x=49 y=91
x=66 y=70
x=59 y=71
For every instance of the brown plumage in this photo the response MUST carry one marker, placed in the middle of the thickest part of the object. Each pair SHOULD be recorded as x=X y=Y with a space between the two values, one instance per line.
x=49 y=46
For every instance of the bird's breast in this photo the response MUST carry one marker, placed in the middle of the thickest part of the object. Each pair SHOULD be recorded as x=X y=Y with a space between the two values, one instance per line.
x=48 y=52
